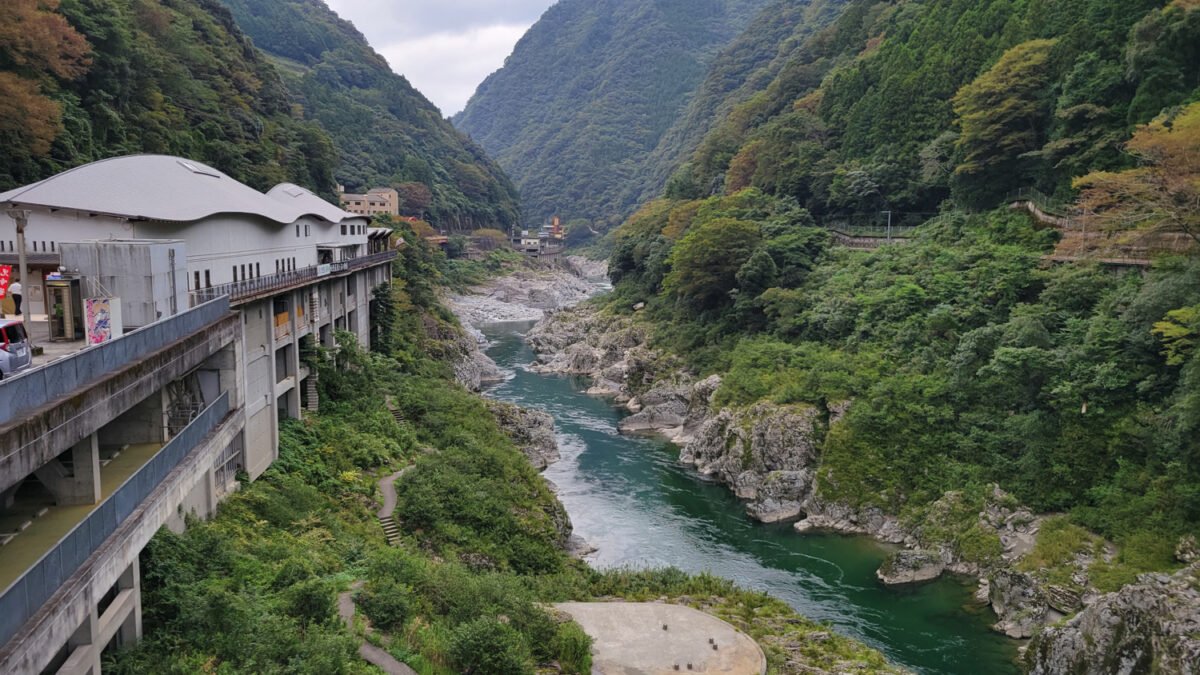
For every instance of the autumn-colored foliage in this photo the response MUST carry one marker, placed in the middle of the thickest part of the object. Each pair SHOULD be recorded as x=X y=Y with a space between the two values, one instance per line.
x=1161 y=194
x=35 y=41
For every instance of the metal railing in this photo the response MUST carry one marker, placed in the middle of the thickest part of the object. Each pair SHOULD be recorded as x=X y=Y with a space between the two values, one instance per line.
x=25 y=596
x=249 y=288
x=246 y=288
x=37 y=387
x=372 y=259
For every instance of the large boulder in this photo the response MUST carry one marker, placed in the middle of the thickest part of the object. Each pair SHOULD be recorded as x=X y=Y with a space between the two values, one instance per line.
x=910 y=567
x=1019 y=602
x=532 y=431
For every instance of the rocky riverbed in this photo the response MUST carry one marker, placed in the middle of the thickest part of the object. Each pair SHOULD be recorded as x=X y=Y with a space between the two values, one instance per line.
x=769 y=455
x=525 y=295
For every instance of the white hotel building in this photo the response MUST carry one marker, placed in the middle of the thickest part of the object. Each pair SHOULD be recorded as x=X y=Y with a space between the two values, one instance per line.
x=218 y=285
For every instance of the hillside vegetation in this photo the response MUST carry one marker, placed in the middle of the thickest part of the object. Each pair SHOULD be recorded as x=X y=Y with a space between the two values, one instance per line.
x=387 y=133
x=589 y=92
x=968 y=360
x=901 y=105
x=82 y=80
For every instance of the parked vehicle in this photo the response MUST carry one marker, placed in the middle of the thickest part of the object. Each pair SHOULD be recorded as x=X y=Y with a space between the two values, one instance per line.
x=15 y=354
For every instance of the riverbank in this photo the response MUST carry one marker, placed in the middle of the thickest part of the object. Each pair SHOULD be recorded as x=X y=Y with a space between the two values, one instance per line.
x=1033 y=570
x=792 y=644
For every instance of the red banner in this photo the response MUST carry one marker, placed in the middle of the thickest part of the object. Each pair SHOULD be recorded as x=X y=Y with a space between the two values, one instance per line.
x=5 y=280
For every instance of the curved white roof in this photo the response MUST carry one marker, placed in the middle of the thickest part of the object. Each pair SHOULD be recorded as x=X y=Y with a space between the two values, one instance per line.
x=160 y=187
x=302 y=199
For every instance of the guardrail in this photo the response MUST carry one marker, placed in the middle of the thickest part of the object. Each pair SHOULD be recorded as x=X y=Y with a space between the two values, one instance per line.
x=25 y=596
x=239 y=290
x=249 y=288
x=39 y=386
x=372 y=259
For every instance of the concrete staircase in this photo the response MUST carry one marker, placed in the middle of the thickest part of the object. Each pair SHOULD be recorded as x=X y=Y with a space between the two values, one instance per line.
x=314 y=400
x=390 y=530
x=387 y=487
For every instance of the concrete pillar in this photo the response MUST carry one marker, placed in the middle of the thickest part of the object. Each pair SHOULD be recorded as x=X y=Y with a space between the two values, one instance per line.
x=81 y=484
x=83 y=654
x=131 y=580
x=293 y=356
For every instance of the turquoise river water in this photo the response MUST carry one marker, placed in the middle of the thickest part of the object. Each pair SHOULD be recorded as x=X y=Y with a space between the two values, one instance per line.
x=629 y=497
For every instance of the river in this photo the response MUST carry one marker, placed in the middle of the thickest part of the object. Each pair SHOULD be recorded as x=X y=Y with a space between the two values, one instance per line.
x=629 y=498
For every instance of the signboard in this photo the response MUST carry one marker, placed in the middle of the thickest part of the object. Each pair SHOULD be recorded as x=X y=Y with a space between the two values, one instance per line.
x=102 y=319
x=322 y=270
x=5 y=280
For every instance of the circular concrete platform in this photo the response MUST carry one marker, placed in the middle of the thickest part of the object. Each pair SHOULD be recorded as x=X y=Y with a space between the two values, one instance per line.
x=628 y=639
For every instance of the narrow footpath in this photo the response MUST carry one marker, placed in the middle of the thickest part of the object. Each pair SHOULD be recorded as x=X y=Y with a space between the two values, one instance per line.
x=346 y=609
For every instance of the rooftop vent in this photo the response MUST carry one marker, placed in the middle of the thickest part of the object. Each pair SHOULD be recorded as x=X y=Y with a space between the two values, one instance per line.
x=203 y=171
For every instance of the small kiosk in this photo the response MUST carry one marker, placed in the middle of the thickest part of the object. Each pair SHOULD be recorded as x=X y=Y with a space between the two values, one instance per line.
x=65 y=309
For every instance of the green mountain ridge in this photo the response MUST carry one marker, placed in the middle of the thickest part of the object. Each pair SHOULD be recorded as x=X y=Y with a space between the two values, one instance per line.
x=175 y=78
x=878 y=129
x=589 y=92
x=745 y=68
x=387 y=132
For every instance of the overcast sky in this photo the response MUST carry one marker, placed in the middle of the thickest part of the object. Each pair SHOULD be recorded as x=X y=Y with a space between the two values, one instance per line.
x=444 y=47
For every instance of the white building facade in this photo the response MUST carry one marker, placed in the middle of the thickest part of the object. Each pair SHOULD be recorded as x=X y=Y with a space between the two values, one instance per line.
x=261 y=275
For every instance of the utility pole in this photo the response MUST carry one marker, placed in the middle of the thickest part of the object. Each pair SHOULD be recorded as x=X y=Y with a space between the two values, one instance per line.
x=889 y=227
x=21 y=217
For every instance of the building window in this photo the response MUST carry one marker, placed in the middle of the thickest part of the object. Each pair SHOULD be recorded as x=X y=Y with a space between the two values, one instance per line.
x=52 y=247
x=297 y=229
x=235 y=276
x=197 y=277
x=343 y=230
x=258 y=269
x=306 y=229
x=207 y=279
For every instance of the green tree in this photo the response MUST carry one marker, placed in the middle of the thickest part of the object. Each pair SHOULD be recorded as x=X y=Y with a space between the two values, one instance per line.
x=1002 y=115
x=705 y=262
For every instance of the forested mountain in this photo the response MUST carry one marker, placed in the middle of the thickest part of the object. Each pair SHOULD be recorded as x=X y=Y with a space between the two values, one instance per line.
x=744 y=69
x=386 y=131
x=876 y=113
x=589 y=92
x=81 y=80
x=964 y=358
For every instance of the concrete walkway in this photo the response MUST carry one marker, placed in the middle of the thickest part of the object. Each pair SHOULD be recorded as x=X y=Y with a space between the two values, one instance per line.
x=346 y=609
x=630 y=639
x=369 y=652
x=387 y=487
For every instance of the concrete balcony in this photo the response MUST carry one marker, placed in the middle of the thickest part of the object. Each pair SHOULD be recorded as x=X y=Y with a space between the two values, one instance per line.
x=81 y=551
x=49 y=409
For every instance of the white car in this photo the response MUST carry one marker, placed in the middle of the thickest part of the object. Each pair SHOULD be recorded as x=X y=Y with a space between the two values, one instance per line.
x=15 y=355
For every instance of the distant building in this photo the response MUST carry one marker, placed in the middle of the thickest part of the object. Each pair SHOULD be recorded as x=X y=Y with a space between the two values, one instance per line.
x=376 y=202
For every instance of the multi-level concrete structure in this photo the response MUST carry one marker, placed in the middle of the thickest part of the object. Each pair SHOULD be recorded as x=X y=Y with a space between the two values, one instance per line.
x=219 y=285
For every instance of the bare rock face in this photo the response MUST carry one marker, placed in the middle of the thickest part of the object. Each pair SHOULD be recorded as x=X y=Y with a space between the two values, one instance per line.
x=911 y=567
x=767 y=454
x=1187 y=551
x=1019 y=601
x=532 y=431
x=1150 y=626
